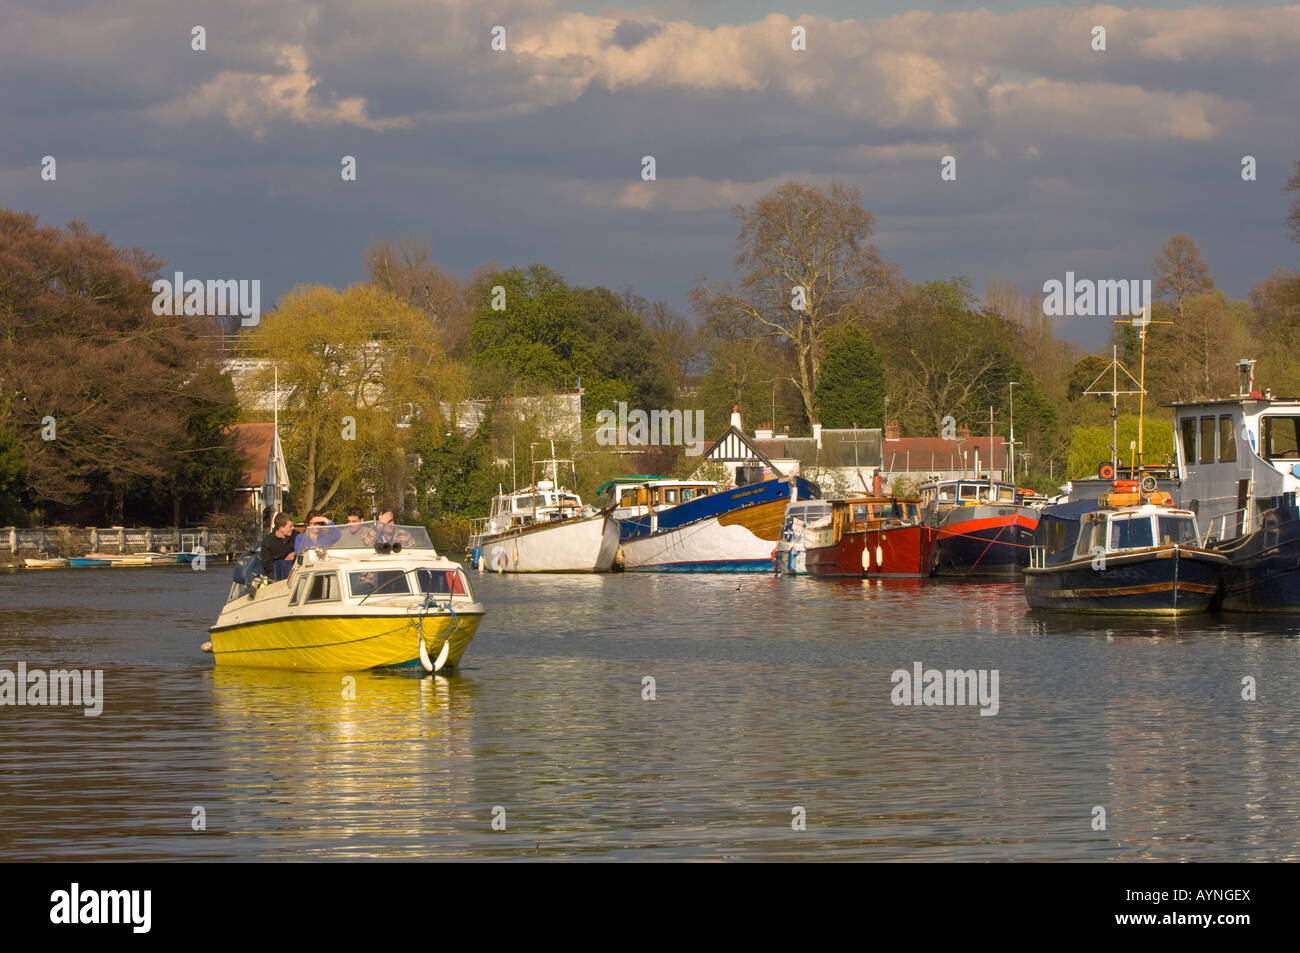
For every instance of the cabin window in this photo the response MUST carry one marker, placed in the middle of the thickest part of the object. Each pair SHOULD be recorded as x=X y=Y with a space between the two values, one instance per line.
x=1006 y=494
x=1281 y=438
x=861 y=513
x=1227 y=441
x=1086 y=536
x=1207 y=440
x=628 y=499
x=969 y=491
x=442 y=582
x=384 y=582
x=298 y=591
x=1054 y=539
x=1132 y=532
x=946 y=493
x=324 y=588
x=670 y=496
x=1189 y=441
x=1177 y=529
x=688 y=495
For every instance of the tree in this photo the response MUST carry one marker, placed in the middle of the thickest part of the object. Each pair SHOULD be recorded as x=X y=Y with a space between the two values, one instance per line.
x=405 y=269
x=943 y=359
x=1181 y=274
x=1275 y=312
x=1293 y=219
x=807 y=264
x=851 y=387
x=354 y=368
x=537 y=334
x=97 y=388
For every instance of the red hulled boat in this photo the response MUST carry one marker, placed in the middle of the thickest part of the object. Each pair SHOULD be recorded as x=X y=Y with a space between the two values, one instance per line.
x=871 y=537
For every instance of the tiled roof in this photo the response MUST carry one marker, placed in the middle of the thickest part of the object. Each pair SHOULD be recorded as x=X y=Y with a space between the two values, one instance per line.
x=253 y=444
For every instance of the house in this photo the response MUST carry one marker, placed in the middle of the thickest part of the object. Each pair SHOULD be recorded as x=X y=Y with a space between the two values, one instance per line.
x=844 y=461
x=265 y=477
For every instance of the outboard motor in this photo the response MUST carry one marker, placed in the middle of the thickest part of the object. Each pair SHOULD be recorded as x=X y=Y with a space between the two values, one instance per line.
x=248 y=566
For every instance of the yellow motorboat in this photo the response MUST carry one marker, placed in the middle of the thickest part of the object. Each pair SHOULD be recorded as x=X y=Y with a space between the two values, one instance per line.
x=359 y=596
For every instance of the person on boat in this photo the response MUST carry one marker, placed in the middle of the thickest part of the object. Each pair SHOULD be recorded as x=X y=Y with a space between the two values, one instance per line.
x=278 y=548
x=314 y=534
x=386 y=531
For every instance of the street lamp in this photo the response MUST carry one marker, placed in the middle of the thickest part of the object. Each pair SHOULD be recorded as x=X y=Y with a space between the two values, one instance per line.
x=1011 y=389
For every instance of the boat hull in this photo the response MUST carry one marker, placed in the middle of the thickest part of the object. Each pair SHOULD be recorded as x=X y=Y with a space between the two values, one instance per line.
x=572 y=545
x=1263 y=571
x=1160 y=581
x=984 y=541
x=340 y=643
x=739 y=541
x=903 y=552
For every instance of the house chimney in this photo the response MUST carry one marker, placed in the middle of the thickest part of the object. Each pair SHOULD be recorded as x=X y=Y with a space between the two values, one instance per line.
x=891 y=430
x=963 y=433
x=763 y=433
x=735 y=417
x=817 y=434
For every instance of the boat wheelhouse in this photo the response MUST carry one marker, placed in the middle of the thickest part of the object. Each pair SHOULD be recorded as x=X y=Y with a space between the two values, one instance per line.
x=1239 y=462
x=1129 y=552
x=983 y=528
x=791 y=551
x=733 y=530
x=359 y=596
x=544 y=527
x=627 y=498
x=871 y=536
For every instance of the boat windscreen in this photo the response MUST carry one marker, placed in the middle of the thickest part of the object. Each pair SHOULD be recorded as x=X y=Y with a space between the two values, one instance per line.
x=365 y=536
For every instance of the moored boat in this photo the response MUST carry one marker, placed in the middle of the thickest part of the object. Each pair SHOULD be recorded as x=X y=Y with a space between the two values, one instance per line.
x=790 y=556
x=92 y=560
x=544 y=528
x=734 y=530
x=45 y=563
x=872 y=536
x=1132 y=552
x=367 y=595
x=983 y=528
x=1239 y=460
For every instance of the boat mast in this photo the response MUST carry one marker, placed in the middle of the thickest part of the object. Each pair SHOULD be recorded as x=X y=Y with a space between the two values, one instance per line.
x=1114 y=394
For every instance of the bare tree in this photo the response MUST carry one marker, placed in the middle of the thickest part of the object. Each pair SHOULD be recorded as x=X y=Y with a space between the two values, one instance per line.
x=406 y=270
x=1293 y=220
x=1181 y=274
x=807 y=265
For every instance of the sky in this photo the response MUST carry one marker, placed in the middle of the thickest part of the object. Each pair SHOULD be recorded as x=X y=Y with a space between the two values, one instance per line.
x=227 y=161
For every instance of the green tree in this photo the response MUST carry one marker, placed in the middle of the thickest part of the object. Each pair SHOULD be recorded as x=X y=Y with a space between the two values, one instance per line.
x=354 y=367
x=851 y=387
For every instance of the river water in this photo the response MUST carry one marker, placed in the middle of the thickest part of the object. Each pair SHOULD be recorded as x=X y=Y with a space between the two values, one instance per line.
x=772 y=711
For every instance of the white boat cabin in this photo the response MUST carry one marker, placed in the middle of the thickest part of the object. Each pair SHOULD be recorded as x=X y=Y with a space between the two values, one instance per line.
x=1132 y=528
x=1236 y=455
x=534 y=504
x=951 y=493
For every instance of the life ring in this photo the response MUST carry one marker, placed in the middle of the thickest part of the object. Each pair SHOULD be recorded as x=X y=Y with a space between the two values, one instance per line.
x=1149 y=484
x=1106 y=471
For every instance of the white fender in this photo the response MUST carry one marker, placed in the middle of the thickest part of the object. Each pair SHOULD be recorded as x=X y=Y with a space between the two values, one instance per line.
x=442 y=656
x=424 y=657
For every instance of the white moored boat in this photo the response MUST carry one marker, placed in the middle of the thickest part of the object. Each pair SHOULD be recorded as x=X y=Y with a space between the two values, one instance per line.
x=545 y=528
x=359 y=596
